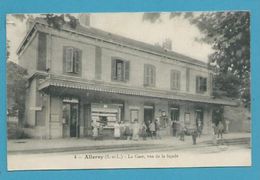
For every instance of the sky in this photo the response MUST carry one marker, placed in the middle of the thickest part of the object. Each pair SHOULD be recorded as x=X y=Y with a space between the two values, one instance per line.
x=131 y=25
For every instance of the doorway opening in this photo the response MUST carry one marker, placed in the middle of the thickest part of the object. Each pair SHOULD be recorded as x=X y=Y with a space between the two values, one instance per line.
x=199 y=119
x=148 y=114
x=70 y=119
x=175 y=117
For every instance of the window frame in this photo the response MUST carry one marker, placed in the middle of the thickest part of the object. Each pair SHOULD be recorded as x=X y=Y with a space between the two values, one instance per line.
x=75 y=61
x=175 y=79
x=149 y=75
x=125 y=69
x=201 y=84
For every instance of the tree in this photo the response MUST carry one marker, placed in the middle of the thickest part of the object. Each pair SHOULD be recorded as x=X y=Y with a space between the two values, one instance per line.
x=16 y=89
x=229 y=35
x=54 y=20
x=16 y=75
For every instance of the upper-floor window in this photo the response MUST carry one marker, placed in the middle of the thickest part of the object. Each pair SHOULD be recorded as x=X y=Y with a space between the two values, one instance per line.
x=175 y=79
x=120 y=70
x=149 y=75
x=72 y=60
x=201 y=84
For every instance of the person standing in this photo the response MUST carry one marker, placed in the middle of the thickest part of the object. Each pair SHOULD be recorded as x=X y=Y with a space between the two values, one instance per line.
x=214 y=139
x=135 y=130
x=182 y=131
x=152 y=129
x=220 y=129
x=95 y=126
x=143 y=133
x=128 y=134
x=157 y=129
x=116 y=130
x=194 y=135
x=199 y=128
x=227 y=126
x=122 y=130
x=174 y=128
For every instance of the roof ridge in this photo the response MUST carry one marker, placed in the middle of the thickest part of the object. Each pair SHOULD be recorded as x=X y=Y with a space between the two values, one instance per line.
x=99 y=33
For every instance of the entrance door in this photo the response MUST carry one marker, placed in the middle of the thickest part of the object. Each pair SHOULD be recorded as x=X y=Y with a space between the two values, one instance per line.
x=175 y=114
x=70 y=119
x=199 y=119
x=175 y=120
x=148 y=115
x=73 y=120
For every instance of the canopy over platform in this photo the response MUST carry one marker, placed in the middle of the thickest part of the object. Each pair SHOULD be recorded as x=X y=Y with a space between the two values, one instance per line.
x=79 y=84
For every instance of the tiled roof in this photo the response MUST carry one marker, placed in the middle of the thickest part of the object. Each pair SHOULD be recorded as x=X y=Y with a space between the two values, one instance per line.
x=98 y=33
x=117 y=38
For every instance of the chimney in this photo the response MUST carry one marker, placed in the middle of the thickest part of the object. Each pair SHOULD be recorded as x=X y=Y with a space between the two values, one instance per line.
x=167 y=44
x=84 y=19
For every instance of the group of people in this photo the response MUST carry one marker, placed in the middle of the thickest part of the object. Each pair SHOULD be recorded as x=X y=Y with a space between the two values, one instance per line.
x=180 y=130
x=130 y=130
x=151 y=129
x=218 y=129
x=135 y=131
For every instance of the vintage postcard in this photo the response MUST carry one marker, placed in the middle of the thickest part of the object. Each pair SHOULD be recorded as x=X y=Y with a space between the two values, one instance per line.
x=128 y=90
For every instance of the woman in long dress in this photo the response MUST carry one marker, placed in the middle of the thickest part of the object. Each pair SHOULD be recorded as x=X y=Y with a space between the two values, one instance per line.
x=117 y=130
x=95 y=126
x=135 y=130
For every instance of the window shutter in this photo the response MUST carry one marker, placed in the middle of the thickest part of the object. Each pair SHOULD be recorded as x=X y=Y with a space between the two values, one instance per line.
x=172 y=79
x=178 y=77
x=113 y=69
x=68 y=55
x=205 y=84
x=98 y=62
x=197 y=84
x=175 y=79
x=153 y=75
x=210 y=83
x=127 y=70
x=146 y=76
x=42 y=52
x=77 y=59
x=188 y=79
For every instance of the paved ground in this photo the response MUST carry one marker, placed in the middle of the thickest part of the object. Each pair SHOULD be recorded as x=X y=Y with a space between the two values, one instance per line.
x=73 y=144
x=207 y=156
x=167 y=152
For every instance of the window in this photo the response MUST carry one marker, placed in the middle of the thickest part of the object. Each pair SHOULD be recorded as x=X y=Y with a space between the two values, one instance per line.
x=175 y=79
x=201 y=84
x=149 y=75
x=120 y=70
x=72 y=60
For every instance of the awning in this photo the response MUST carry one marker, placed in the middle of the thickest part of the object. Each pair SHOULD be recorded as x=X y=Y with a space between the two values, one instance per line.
x=86 y=85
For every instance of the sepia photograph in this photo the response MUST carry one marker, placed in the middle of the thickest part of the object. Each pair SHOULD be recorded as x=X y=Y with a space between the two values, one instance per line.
x=128 y=90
